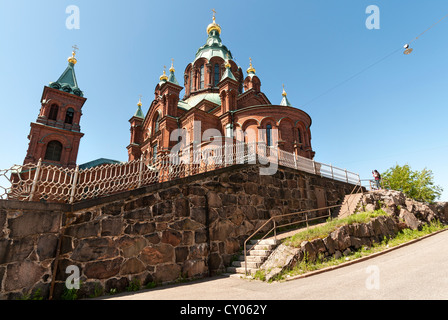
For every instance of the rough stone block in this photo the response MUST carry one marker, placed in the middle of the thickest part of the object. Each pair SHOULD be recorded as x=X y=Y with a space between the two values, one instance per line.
x=15 y=275
x=181 y=253
x=132 y=266
x=167 y=273
x=143 y=228
x=94 y=249
x=15 y=250
x=171 y=237
x=103 y=269
x=84 y=230
x=157 y=254
x=181 y=207
x=410 y=219
x=34 y=222
x=130 y=246
x=113 y=208
x=112 y=227
x=194 y=268
x=47 y=246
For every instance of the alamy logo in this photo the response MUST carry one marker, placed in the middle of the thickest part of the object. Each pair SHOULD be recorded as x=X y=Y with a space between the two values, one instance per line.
x=373 y=280
x=373 y=20
x=73 y=20
x=72 y=281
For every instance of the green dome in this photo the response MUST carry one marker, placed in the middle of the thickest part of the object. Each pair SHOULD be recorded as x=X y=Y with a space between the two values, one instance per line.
x=213 y=48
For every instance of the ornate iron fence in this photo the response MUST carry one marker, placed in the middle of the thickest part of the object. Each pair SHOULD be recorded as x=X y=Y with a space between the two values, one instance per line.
x=43 y=182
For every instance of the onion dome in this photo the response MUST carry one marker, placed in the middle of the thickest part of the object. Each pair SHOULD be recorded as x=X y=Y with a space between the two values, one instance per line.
x=72 y=59
x=214 y=26
x=163 y=77
x=251 y=69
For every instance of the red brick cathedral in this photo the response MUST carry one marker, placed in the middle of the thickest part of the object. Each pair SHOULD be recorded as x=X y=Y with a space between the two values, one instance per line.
x=220 y=97
x=217 y=96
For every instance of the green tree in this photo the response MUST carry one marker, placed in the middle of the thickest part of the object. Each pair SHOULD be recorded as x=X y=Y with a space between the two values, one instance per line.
x=418 y=185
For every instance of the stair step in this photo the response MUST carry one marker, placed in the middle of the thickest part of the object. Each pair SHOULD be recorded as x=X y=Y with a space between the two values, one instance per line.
x=257 y=251
x=263 y=253
x=265 y=241
x=252 y=258
x=260 y=246
x=349 y=205
x=249 y=264
x=241 y=270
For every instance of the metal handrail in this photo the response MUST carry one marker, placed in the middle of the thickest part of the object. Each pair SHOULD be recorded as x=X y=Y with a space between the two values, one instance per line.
x=358 y=187
x=385 y=183
x=288 y=224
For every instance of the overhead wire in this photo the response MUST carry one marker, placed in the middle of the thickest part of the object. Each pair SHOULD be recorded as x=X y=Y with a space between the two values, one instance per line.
x=373 y=64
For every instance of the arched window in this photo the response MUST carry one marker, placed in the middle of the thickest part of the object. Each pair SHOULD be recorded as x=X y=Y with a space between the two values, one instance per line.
x=191 y=80
x=154 y=152
x=156 y=123
x=201 y=85
x=300 y=135
x=69 y=116
x=216 y=74
x=54 y=151
x=268 y=135
x=53 y=112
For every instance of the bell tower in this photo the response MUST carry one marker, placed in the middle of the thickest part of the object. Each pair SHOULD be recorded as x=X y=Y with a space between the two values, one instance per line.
x=56 y=134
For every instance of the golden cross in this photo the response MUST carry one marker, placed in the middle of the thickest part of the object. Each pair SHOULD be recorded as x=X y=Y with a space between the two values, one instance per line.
x=214 y=13
x=75 y=47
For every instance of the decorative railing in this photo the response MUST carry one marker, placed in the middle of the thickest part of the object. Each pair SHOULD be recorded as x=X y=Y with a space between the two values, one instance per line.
x=44 y=182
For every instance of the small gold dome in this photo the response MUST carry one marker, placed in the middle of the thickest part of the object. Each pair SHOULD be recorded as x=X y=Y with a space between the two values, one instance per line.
x=164 y=77
x=172 y=66
x=284 y=92
x=214 y=26
x=72 y=59
x=251 y=69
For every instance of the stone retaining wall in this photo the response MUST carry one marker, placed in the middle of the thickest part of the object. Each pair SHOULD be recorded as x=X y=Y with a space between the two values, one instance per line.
x=182 y=229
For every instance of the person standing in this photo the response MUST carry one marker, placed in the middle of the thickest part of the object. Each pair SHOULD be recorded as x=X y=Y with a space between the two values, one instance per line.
x=377 y=177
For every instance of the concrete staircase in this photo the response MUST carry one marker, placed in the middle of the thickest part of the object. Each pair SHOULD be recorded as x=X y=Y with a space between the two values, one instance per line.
x=259 y=250
x=351 y=201
x=257 y=253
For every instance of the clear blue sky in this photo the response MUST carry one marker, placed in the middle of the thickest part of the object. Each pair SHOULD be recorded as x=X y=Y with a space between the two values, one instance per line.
x=393 y=113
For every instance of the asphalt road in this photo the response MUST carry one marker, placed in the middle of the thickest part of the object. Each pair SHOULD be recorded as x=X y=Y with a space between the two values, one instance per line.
x=418 y=272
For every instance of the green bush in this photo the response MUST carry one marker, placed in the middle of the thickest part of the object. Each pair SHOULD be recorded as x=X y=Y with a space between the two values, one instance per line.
x=417 y=185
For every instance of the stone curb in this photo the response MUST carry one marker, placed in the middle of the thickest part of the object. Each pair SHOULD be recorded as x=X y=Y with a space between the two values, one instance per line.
x=373 y=255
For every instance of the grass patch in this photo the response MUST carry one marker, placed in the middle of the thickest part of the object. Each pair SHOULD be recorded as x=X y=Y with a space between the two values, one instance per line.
x=402 y=237
x=331 y=225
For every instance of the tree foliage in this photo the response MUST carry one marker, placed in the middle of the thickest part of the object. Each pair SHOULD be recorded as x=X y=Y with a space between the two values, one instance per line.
x=418 y=185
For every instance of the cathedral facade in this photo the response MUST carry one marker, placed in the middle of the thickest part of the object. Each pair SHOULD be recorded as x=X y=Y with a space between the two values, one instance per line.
x=218 y=96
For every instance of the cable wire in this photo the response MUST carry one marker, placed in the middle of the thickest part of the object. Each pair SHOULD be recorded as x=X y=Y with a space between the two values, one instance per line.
x=373 y=64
